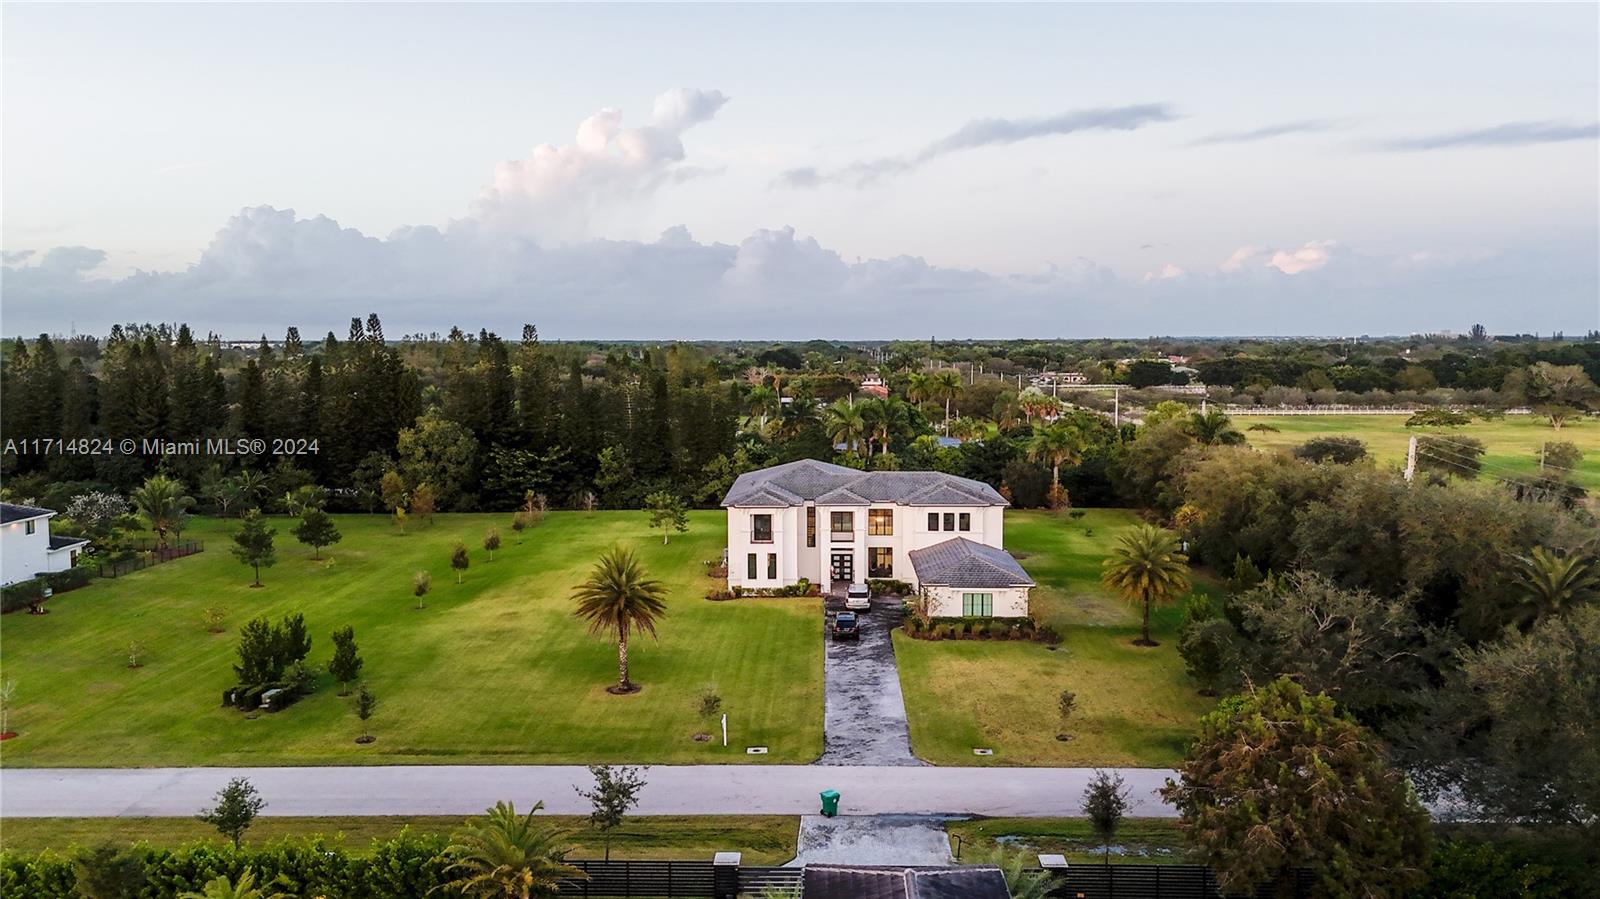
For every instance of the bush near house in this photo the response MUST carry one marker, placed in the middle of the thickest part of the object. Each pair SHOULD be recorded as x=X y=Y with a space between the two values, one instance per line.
x=889 y=587
x=30 y=592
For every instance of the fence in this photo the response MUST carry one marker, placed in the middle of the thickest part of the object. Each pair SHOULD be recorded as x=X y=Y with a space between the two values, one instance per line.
x=149 y=554
x=706 y=880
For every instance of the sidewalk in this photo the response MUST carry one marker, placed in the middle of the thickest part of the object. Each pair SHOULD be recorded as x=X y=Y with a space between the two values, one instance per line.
x=469 y=789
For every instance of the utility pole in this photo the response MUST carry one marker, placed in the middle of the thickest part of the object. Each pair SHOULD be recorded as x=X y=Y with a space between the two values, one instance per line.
x=1116 y=407
x=1411 y=459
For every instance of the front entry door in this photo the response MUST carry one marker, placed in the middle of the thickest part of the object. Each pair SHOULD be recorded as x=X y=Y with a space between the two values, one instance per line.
x=844 y=567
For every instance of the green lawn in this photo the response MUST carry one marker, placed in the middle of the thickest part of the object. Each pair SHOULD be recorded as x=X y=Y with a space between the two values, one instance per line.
x=1511 y=443
x=1135 y=705
x=495 y=670
x=764 y=839
x=1138 y=840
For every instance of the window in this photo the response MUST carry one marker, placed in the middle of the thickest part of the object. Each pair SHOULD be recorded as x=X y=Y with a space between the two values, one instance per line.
x=966 y=521
x=761 y=529
x=844 y=525
x=772 y=566
x=811 y=525
x=977 y=605
x=28 y=526
x=933 y=521
x=750 y=567
x=880 y=561
x=880 y=522
x=949 y=521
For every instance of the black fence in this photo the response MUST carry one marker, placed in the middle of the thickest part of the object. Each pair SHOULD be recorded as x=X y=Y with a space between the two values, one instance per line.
x=1165 y=882
x=148 y=554
x=703 y=880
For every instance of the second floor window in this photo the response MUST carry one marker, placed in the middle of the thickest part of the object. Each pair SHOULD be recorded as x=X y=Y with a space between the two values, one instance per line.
x=965 y=520
x=880 y=522
x=761 y=528
x=29 y=527
x=933 y=521
x=811 y=525
x=843 y=525
x=949 y=521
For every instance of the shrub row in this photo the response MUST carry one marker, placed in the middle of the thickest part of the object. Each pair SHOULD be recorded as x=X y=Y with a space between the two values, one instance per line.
x=802 y=587
x=29 y=592
x=889 y=587
x=405 y=867
x=982 y=629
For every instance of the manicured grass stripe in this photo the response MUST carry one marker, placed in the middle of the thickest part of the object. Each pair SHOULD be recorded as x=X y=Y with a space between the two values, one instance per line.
x=495 y=669
x=1138 y=841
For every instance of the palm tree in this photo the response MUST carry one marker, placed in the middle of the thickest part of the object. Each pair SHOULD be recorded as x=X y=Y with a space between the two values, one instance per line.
x=508 y=856
x=1057 y=443
x=946 y=385
x=1036 y=405
x=620 y=595
x=762 y=402
x=1023 y=880
x=1146 y=567
x=919 y=387
x=1008 y=412
x=885 y=418
x=795 y=416
x=243 y=888
x=250 y=486
x=1552 y=583
x=967 y=428
x=1214 y=428
x=845 y=424
x=165 y=507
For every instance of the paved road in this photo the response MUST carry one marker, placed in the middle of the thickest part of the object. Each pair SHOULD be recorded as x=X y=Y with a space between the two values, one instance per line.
x=469 y=789
x=864 y=713
x=872 y=840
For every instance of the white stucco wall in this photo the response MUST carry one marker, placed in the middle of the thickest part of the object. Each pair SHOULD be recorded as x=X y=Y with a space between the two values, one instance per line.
x=23 y=555
x=1009 y=602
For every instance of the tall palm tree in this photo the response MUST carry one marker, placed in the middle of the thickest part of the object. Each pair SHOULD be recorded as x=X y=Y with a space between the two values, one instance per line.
x=946 y=385
x=762 y=402
x=1036 y=405
x=919 y=387
x=1146 y=567
x=1058 y=443
x=1551 y=583
x=845 y=424
x=795 y=416
x=1214 y=428
x=165 y=507
x=620 y=595
x=249 y=487
x=243 y=888
x=885 y=418
x=508 y=856
x=1008 y=411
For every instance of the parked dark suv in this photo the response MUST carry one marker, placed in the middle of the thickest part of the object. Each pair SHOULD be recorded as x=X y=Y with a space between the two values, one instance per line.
x=846 y=626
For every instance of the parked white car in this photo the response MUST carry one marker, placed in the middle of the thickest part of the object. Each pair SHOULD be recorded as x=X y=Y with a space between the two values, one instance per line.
x=858 y=598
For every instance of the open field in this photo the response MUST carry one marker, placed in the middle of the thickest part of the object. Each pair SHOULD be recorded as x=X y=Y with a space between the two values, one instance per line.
x=1139 y=840
x=1511 y=443
x=764 y=839
x=1135 y=705
x=493 y=670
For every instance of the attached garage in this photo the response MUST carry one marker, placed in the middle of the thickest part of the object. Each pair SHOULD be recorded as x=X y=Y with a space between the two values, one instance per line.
x=970 y=580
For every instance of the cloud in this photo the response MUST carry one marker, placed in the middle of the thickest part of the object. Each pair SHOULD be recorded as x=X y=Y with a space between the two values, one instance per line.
x=1266 y=132
x=986 y=132
x=268 y=268
x=1510 y=134
x=557 y=190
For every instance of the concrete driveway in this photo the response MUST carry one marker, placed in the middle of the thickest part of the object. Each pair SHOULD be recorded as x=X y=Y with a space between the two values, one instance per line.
x=872 y=840
x=864 y=718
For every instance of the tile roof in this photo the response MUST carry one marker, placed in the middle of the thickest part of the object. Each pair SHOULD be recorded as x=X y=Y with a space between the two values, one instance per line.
x=793 y=483
x=873 y=882
x=65 y=542
x=10 y=512
x=960 y=562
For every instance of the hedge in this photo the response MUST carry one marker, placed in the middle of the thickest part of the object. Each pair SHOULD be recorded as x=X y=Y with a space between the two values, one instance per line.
x=405 y=867
x=26 y=593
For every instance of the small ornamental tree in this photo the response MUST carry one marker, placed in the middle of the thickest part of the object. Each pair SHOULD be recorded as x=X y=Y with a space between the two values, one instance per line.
x=1278 y=779
x=1105 y=804
x=366 y=704
x=400 y=520
x=345 y=666
x=392 y=487
x=214 y=617
x=423 y=502
x=1066 y=704
x=316 y=530
x=519 y=523
x=667 y=512
x=615 y=793
x=8 y=692
x=253 y=544
x=421 y=583
x=459 y=560
x=491 y=542
x=238 y=803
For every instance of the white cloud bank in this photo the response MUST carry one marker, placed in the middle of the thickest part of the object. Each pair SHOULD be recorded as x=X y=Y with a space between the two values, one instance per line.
x=506 y=264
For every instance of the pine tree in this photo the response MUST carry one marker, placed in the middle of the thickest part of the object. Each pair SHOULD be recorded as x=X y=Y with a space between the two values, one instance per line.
x=345 y=666
x=250 y=419
x=374 y=329
x=291 y=343
x=253 y=544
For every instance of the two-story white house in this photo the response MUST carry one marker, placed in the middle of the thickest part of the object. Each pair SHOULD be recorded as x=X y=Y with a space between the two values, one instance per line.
x=26 y=547
x=835 y=525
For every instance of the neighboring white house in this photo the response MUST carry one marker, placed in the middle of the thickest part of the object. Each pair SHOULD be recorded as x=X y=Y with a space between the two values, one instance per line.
x=831 y=524
x=26 y=547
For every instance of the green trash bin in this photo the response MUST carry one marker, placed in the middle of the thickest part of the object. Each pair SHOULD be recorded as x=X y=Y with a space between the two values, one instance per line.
x=830 y=802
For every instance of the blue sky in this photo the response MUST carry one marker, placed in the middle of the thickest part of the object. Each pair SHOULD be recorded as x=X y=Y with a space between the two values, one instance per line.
x=796 y=171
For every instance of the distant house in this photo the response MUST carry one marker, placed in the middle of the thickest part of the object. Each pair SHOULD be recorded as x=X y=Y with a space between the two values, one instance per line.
x=874 y=386
x=26 y=547
x=833 y=525
x=1047 y=379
